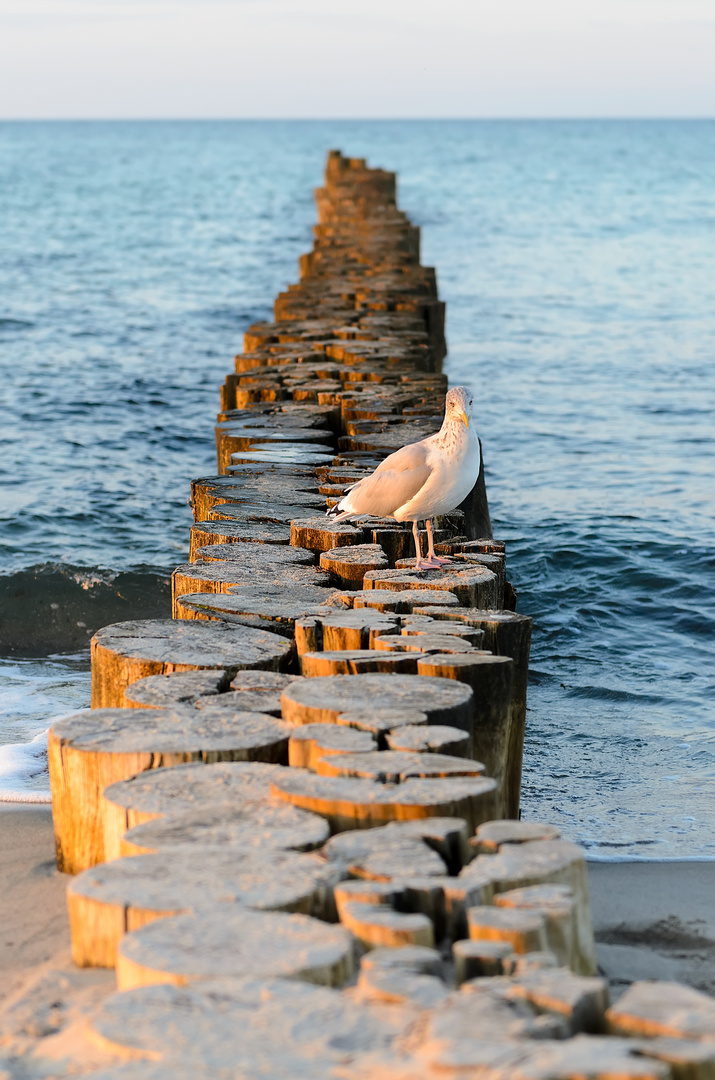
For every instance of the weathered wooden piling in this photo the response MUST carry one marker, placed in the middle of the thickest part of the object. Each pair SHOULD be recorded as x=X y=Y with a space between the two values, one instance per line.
x=312 y=683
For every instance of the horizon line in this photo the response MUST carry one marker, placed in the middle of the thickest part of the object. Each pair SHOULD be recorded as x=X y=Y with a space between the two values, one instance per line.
x=594 y=118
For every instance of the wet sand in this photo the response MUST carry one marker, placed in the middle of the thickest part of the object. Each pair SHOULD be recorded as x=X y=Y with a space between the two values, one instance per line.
x=652 y=920
x=45 y=1001
x=33 y=912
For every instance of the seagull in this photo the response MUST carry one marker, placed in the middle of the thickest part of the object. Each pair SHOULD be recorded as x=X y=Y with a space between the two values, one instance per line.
x=423 y=479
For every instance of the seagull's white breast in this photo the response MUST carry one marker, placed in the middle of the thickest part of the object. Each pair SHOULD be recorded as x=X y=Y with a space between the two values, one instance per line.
x=454 y=460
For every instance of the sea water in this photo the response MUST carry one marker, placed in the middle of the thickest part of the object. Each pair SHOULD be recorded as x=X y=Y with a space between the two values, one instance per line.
x=577 y=260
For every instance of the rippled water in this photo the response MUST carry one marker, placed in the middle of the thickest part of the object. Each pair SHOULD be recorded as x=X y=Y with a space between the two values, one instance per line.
x=577 y=260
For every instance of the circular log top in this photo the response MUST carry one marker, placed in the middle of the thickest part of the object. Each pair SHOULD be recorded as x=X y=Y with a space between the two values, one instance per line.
x=242 y=488
x=364 y=618
x=430 y=738
x=439 y=831
x=652 y=1009
x=425 y=643
x=280 y=605
x=262 y=511
x=176 y=881
x=374 y=924
x=357 y=662
x=483 y=919
x=404 y=601
x=321 y=534
x=484 y=546
x=260 y=556
x=366 y=852
x=364 y=890
x=265 y=435
x=464 y=583
x=363 y=803
x=177 y=688
x=223 y=1022
x=243 y=533
x=193 y=643
x=343 y=476
x=537 y=863
x=292 y=454
x=331 y=737
x=379 y=721
x=163 y=791
x=254 y=826
x=228 y=572
x=433 y=664
x=280 y=470
x=396 y=766
x=261 y=680
x=416 y=958
x=235 y=941
x=350 y=563
x=202 y=688
x=492 y=834
x=395 y=437
x=415 y=625
x=322 y=700
x=471 y=616
x=169 y=732
x=548 y=898
x=396 y=857
x=302 y=479
x=495 y=563
x=250 y=701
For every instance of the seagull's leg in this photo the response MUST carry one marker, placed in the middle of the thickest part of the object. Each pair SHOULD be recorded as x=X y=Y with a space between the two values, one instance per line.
x=420 y=563
x=435 y=560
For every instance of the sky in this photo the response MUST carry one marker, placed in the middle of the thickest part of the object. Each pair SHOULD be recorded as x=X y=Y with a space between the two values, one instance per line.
x=71 y=59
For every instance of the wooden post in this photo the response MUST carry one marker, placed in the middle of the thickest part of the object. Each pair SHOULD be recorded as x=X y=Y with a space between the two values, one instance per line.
x=490 y=678
x=505 y=634
x=128 y=651
x=404 y=735
x=90 y=751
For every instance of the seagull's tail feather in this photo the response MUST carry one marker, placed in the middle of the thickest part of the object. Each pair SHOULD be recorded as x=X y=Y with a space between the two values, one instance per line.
x=335 y=514
x=341 y=511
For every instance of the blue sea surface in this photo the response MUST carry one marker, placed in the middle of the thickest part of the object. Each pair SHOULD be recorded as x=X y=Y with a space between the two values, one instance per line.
x=577 y=260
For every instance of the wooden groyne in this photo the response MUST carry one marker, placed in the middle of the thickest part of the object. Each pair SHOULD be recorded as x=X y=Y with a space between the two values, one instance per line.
x=306 y=784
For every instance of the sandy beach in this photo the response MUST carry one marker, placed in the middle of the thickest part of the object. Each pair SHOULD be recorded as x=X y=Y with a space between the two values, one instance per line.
x=652 y=920
x=45 y=1001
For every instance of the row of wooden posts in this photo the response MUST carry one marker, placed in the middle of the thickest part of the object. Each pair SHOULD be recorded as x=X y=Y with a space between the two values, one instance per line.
x=316 y=763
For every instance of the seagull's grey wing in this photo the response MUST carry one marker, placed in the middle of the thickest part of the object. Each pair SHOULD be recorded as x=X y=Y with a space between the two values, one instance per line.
x=412 y=456
x=395 y=481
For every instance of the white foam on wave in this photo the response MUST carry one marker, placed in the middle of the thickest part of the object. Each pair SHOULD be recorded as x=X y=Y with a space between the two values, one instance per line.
x=24 y=776
x=20 y=765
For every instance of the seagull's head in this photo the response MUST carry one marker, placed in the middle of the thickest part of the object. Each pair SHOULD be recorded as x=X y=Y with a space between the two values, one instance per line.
x=458 y=405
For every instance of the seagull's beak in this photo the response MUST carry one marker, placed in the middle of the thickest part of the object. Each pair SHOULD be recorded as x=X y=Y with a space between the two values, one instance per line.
x=464 y=417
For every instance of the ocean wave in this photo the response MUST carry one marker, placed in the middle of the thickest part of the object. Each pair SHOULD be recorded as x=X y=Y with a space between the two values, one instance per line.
x=24 y=775
x=15 y=324
x=23 y=765
x=611 y=693
x=56 y=607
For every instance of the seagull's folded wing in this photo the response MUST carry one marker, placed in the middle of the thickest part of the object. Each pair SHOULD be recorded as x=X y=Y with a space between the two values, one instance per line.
x=394 y=483
x=407 y=458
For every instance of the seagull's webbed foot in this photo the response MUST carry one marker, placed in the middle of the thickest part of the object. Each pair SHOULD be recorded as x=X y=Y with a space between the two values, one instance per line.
x=429 y=564
x=432 y=562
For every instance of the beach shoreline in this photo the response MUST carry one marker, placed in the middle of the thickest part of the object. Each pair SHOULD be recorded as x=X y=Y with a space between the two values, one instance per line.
x=651 y=919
